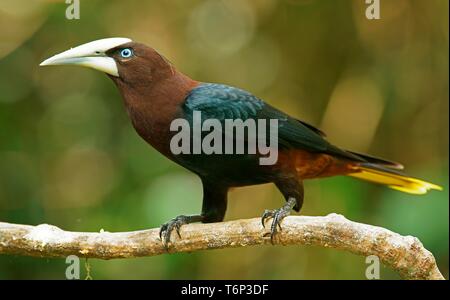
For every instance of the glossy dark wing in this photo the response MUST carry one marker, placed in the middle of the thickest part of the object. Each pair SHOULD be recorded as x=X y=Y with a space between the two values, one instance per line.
x=315 y=129
x=217 y=101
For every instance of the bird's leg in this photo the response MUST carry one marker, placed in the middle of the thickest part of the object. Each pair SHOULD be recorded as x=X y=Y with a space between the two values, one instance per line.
x=292 y=189
x=213 y=210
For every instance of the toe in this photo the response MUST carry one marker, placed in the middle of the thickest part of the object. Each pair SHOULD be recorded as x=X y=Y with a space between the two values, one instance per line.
x=274 y=227
x=162 y=230
x=167 y=233
x=177 y=228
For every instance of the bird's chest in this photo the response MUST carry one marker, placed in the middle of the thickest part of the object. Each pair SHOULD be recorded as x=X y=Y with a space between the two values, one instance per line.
x=153 y=126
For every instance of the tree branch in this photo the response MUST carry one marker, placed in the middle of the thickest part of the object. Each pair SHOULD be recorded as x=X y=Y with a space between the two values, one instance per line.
x=404 y=254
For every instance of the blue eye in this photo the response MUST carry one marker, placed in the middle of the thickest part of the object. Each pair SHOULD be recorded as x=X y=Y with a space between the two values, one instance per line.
x=126 y=53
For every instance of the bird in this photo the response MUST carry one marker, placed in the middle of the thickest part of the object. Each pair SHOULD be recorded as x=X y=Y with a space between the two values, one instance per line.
x=155 y=94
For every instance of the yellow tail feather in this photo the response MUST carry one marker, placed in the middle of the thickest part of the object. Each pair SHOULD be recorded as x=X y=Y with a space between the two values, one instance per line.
x=397 y=182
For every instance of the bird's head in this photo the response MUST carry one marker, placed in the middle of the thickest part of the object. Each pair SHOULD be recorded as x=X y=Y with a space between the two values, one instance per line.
x=125 y=61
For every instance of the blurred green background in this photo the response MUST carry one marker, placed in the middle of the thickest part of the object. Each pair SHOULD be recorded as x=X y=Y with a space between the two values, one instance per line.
x=70 y=157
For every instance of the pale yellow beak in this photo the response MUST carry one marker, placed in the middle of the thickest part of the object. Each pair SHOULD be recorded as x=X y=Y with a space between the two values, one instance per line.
x=91 y=55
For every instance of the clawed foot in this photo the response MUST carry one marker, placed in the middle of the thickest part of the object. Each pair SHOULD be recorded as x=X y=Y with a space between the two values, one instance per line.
x=277 y=215
x=167 y=228
x=176 y=223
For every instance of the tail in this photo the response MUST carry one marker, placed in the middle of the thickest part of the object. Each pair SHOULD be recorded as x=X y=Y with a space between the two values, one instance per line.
x=392 y=178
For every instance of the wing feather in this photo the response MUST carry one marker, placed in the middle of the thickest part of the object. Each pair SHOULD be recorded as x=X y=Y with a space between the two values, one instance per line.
x=218 y=101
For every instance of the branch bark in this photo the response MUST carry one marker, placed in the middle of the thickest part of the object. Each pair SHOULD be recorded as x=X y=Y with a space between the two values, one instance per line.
x=404 y=254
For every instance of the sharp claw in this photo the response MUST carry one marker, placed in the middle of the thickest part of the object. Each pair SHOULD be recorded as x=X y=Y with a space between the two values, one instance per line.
x=161 y=230
x=263 y=221
x=272 y=236
x=266 y=215
x=177 y=227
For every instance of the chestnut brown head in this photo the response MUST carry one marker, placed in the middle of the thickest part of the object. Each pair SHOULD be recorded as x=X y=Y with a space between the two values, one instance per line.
x=126 y=62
